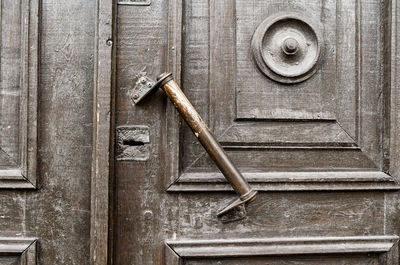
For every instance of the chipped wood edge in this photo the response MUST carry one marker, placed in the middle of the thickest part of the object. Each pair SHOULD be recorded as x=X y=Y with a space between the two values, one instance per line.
x=102 y=145
x=26 y=248
x=386 y=245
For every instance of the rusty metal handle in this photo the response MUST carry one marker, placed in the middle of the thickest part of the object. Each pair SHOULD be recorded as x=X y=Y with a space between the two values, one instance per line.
x=235 y=210
x=207 y=139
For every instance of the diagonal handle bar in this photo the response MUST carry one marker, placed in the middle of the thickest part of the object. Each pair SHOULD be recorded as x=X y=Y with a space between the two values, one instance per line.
x=207 y=139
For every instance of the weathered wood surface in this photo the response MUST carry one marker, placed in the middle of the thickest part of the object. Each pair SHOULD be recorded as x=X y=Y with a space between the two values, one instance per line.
x=333 y=134
x=58 y=213
x=102 y=142
x=148 y=25
x=304 y=260
x=374 y=249
x=281 y=246
x=229 y=26
x=206 y=45
x=56 y=209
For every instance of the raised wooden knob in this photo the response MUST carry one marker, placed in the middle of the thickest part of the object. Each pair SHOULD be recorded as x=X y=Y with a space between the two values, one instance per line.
x=290 y=46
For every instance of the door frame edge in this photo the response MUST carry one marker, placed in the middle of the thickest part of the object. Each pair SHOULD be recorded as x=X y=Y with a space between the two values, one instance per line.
x=102 y=134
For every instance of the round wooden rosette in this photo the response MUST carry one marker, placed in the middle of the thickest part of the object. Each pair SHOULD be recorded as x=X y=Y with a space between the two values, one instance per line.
x=287 y=47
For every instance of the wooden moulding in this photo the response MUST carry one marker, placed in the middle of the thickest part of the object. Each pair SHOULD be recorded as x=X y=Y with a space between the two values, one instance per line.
x=23 y=247
x=178 y=250
x=249 y=136
x=24 y=175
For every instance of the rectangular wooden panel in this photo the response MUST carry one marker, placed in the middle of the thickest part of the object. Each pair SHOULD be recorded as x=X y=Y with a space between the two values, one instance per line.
x=277 y=214
x=328 y=127
x=258 y=97
x=18 y=93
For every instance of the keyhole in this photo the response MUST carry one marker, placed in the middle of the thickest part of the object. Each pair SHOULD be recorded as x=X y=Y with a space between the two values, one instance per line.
x=132 y=143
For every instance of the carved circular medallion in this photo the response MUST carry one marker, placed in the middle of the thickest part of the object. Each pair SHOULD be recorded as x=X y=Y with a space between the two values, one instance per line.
x=287 y=47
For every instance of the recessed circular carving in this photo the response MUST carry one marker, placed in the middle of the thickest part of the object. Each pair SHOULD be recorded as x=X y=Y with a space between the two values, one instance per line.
x=287 y=47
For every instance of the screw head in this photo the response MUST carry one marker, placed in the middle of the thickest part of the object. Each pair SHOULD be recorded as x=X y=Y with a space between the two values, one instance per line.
x=135 y=96
x=109 y=42
x=241 y=214
x=148 y=215
x=142 y=80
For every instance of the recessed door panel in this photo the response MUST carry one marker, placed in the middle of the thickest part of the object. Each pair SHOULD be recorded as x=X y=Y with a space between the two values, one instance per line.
x=334 y=121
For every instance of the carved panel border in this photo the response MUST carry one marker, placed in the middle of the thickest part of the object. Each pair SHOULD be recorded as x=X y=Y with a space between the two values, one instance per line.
x=177 y=251
x=24 y=176
x=25 y=248
x=363 y=179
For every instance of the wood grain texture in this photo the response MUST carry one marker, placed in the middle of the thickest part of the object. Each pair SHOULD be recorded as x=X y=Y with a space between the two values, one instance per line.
x=281 y=214
x=393 y=64
x=393 y=22
x=58 y=212
x=286 y=180
x=102 y=152
x=146 y=51
x=282 y=246
x=59 y=103
x=9 y=260
x=175 y=64
x=353 y=259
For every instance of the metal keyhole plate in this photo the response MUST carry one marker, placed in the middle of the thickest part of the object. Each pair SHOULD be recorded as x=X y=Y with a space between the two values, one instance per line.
x=287 y=47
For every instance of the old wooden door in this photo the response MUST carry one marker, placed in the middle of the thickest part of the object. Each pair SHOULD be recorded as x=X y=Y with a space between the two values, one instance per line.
x=307 y=108
x=46 y=87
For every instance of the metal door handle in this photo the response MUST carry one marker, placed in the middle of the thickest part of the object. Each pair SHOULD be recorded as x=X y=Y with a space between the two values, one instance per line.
x=236 y=209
